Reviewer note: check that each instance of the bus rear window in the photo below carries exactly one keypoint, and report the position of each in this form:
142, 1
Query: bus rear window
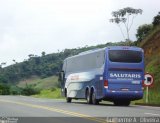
126, 56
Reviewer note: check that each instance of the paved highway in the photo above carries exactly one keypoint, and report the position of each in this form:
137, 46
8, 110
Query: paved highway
57, 110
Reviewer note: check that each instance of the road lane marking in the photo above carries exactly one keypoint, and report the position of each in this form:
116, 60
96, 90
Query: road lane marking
152, 114
53, 109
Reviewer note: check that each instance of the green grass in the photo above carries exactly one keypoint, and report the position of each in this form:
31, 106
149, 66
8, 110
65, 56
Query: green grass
153, 97
38, 83
153, 67
49, 87
54, 93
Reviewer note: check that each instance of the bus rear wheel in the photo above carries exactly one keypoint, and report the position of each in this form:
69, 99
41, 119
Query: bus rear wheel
88, 97
94, 100
68, 99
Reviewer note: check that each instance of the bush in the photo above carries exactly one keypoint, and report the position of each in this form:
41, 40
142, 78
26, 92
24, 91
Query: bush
30, 90
15, 90
4, 89
156, 20
143, 31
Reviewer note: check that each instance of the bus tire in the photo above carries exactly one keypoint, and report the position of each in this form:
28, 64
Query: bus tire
126, 103
116, 103
94, 100
88, 97
68, 99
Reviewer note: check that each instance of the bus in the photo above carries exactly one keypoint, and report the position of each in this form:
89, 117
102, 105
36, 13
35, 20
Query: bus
114, 73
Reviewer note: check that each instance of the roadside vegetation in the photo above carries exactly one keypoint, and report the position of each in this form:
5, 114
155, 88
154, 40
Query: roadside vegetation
50, 93
15, 90
151, 45
46, 87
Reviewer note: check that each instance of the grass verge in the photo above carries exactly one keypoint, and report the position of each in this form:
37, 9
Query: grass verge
54, 93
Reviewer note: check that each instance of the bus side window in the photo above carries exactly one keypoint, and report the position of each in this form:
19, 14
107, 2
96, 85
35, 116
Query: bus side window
100, 59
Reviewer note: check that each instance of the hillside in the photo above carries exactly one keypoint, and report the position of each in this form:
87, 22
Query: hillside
42, 66
151, 46
48, 87
38, 83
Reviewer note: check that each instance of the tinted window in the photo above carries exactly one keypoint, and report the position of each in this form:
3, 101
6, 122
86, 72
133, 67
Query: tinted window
127, 56
85, 62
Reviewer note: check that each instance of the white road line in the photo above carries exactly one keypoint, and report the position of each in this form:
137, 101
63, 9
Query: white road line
152, 114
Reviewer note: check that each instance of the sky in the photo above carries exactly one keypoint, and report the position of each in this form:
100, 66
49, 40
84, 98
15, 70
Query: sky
33, 26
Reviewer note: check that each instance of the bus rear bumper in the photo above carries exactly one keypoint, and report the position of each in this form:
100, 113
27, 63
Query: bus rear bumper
124, 95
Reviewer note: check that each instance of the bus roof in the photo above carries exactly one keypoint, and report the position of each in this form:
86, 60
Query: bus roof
124, 48
87, 52
109, 47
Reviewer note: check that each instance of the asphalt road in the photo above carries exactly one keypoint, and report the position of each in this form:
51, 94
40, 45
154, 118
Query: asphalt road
32, 110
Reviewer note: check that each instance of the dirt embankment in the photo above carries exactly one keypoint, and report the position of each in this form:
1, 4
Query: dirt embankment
152, 46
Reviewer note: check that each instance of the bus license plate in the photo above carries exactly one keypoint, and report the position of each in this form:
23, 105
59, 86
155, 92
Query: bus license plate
124, 89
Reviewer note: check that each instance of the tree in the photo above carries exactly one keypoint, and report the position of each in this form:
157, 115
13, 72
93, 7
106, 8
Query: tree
3, 64
14, 61
156, 20
30, 56
30, 90
126, 17
43, 54
4, 89
143, 31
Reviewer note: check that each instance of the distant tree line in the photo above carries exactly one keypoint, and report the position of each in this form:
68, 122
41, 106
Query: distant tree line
42, 66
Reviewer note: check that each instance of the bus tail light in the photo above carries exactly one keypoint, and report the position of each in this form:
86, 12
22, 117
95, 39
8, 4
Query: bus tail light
106, 83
